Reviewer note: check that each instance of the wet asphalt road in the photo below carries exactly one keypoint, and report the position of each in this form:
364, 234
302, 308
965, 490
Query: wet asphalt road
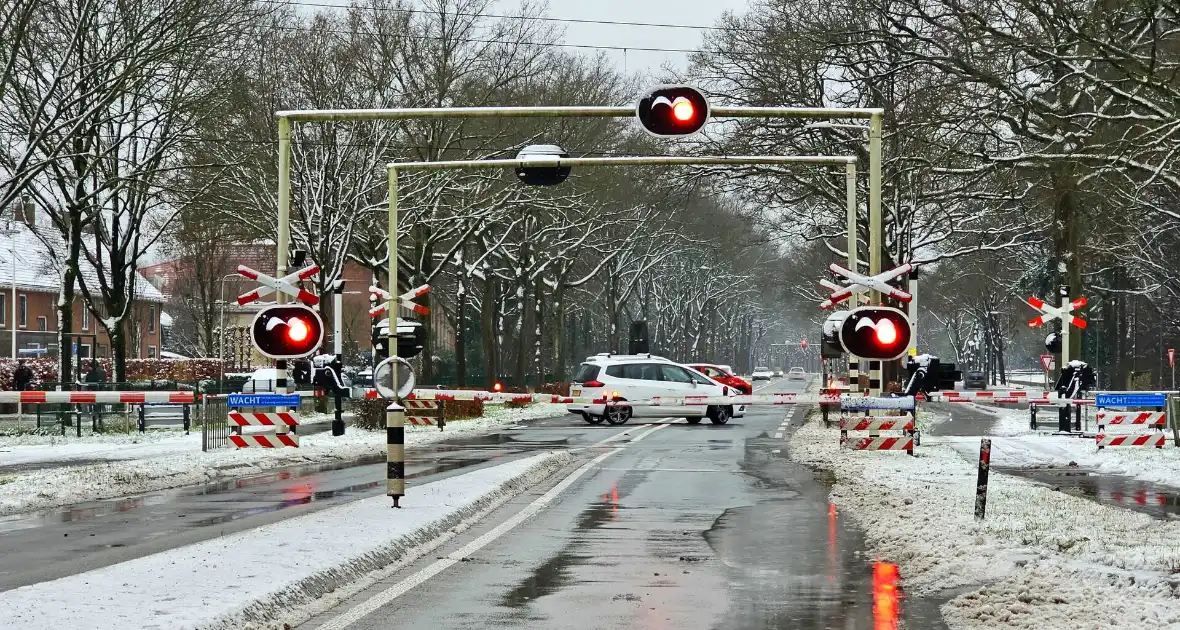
687, 527
965, 419
54, 543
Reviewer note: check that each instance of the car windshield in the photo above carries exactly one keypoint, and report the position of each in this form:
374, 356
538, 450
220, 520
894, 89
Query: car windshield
761, 369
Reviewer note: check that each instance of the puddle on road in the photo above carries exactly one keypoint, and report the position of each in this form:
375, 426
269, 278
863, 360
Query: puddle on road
1156, 500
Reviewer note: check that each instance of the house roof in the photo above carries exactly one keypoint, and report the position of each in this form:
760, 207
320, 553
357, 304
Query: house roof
37, 271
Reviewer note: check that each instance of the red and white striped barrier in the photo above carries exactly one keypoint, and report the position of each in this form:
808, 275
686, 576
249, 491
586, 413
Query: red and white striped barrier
1157, 440
877, 424
420, 404
787, 398
1013, 397
420, 420
264, 440
242, 419
179, 398
1153, 418
1140, 497
905, 443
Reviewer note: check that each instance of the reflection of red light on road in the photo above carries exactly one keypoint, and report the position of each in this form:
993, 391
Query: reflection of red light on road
831, 543
885, 604
614, 498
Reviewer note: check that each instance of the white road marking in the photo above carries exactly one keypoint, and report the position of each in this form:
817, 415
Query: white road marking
383, 598
778, 436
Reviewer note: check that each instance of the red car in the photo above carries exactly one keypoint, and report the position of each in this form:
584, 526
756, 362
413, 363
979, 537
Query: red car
723, 376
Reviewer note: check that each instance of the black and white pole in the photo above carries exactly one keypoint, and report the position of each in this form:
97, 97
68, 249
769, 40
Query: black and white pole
985, 457
395, 444
281, 389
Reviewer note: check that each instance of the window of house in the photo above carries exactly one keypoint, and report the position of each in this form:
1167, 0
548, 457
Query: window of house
151, 352
83, 351
85, 318
22, 311
3, 309
152, 319
42, 323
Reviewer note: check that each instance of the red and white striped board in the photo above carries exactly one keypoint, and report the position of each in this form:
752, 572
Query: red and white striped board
420, 404
862, 423
242, 419
1142, 417
1140, 497
785, 398
1157, 440
179, 398
882, 444
264, 440
420, 420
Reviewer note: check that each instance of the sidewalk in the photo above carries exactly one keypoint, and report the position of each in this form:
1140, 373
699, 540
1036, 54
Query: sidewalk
161, 459
265, 575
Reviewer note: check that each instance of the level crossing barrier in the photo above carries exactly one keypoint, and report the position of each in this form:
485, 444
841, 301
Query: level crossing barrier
904, 422
163, 411
426, 412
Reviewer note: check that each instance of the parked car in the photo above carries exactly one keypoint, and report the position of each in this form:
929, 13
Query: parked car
723, 375
640, 377
974, 380
762, 374
797, 374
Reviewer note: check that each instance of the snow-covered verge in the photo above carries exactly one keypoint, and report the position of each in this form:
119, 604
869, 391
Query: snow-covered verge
160, 461
1041, 559
261, 577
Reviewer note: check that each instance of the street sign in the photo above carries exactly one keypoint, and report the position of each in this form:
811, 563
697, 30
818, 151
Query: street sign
405, 299
1046, 362
1050, 313
263, 400
1171, 357
856, 283
864, 403
285, 285
1130, 400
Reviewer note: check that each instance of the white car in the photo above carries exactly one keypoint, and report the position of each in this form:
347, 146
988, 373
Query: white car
796, 374
761, 374
640, 377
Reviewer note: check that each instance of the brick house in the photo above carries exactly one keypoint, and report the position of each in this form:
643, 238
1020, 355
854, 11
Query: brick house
37, 278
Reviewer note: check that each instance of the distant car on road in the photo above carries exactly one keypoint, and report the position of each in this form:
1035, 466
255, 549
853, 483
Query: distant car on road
723, 375
778, 373
762, 374
974, 380
640, 377
797, 374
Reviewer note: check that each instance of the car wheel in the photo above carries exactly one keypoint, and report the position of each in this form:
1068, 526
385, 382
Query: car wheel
719, 414
693, 420
617, 414
592, 419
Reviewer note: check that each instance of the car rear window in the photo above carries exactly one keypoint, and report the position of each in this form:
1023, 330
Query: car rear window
586, 372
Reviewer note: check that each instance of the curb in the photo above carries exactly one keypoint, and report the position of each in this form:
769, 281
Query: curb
302, 600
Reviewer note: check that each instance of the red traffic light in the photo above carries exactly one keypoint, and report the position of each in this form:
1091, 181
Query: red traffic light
673, 110
287, 332
876, 332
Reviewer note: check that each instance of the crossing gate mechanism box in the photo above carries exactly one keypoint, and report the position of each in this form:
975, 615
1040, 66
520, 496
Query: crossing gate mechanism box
426, 412
904, 422
1156, 420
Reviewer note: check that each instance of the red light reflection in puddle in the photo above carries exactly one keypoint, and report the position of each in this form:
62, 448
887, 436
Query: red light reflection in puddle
886, 608
833, 546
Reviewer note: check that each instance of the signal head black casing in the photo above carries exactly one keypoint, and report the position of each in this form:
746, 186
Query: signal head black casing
876, 333
288, 331
672, 110
542, 175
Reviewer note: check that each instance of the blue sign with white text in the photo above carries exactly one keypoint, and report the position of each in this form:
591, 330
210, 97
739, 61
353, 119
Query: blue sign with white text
864, 403
263, 400
1130, 400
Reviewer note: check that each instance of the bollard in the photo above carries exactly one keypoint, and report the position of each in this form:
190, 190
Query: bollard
985, 456
395, 444
1032, 417
142, 419
186, 420
442, 414
338, 416
1077, 417
1063, 423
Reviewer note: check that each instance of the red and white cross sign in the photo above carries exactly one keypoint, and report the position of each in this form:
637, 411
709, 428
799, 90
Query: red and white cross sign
856, 283
404, 299
285, 285
1050, 313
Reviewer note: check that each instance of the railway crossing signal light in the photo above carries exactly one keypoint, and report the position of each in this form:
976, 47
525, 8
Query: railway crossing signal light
672, 110
289, 331
876, 333
542, 175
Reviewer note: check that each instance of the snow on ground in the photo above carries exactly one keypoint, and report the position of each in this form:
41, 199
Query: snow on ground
260, 575
1042, 560
157, 461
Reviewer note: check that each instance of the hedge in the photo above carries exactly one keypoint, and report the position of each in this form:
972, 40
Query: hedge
186, 370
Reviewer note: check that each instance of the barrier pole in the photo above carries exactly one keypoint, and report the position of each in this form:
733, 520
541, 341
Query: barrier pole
395, 445
985, 457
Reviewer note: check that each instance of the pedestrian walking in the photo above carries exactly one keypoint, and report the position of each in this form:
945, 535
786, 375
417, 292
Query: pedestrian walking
22, 378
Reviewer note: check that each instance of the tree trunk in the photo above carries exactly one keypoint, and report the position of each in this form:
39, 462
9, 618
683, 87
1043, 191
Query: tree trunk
1066, 243
488, 330
538, 338
461, 331
560, 347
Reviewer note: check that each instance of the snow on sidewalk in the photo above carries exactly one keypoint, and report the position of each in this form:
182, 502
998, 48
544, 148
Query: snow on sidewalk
263, 574
1042, 559
158, 461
